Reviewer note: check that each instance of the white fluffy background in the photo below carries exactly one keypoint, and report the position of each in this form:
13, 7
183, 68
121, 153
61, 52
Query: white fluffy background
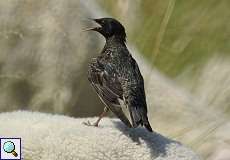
55, 137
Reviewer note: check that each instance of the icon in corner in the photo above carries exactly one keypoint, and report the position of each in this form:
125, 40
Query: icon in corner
10, 148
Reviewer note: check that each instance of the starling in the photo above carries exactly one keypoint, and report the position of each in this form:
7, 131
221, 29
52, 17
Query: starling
116, 77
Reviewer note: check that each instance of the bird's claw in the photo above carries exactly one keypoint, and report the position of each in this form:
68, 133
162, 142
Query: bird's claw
90, 124
87, 123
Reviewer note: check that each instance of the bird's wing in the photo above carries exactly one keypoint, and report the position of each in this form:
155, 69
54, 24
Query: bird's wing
105, 81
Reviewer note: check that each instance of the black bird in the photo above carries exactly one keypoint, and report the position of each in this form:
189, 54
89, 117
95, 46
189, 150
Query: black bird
116, 77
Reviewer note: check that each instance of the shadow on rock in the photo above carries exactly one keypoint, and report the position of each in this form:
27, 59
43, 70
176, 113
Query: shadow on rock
157, 143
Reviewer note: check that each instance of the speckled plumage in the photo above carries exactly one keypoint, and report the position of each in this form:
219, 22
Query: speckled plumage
116, 77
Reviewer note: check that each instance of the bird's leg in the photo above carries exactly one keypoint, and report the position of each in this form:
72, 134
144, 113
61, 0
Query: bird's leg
99, 118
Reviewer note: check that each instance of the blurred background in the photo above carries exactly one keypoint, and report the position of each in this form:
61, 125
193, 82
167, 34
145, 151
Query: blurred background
182, 48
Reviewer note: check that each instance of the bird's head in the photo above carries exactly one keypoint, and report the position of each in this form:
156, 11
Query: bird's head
109, 27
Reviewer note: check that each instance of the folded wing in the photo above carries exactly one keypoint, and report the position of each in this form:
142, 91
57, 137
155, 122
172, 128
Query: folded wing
106, 82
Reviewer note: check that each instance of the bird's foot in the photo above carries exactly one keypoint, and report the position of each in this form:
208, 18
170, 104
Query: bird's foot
90, 124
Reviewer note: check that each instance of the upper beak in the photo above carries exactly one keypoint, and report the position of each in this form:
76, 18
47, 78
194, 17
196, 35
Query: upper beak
93, 28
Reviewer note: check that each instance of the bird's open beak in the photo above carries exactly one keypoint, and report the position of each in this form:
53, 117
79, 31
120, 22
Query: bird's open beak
93, 28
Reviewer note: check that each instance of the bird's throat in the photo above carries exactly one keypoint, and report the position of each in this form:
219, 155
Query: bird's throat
115, 39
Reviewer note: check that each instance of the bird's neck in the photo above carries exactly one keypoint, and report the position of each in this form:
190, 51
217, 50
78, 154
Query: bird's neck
113, 40
113, 43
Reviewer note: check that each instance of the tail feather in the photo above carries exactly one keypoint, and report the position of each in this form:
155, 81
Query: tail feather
138, 118
118, 112
147, 126
135, 117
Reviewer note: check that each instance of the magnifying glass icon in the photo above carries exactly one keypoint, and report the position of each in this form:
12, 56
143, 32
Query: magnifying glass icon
9, 147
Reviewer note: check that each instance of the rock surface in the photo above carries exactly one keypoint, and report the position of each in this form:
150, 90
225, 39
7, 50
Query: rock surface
56, 137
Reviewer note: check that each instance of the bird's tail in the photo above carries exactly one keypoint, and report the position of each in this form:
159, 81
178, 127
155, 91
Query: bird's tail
140, 117
148, 126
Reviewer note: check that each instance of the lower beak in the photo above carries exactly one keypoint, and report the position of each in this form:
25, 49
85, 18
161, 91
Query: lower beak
89, 29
